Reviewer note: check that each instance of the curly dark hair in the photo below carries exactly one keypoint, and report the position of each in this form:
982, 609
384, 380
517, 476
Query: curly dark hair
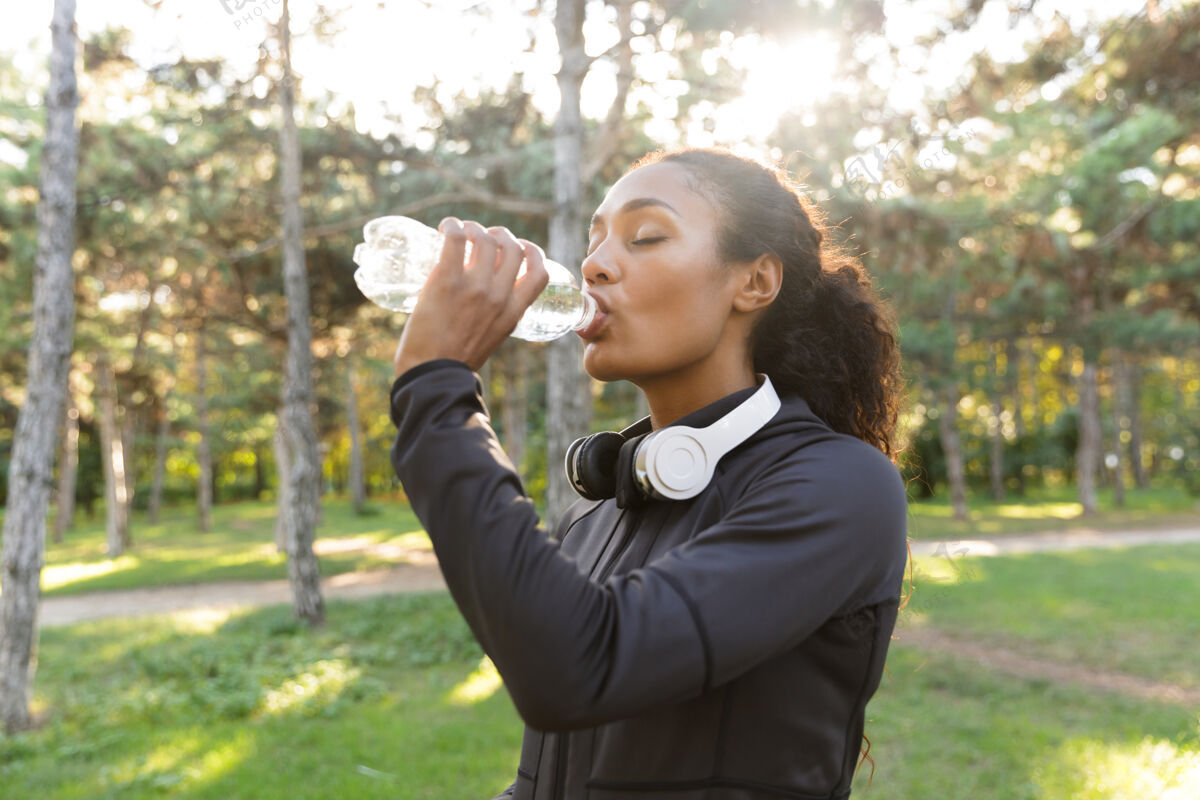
828, 336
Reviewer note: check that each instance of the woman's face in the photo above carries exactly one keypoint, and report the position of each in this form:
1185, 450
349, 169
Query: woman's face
653, 263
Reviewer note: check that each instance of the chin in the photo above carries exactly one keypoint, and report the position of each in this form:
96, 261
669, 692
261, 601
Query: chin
599, 367
600, 363
607, 363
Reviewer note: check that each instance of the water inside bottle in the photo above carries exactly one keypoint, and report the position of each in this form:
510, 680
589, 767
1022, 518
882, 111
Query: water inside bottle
555, 311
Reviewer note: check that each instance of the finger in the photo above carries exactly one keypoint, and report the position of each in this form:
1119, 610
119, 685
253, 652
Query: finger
535, 278
454, 247
508, 261
482, 262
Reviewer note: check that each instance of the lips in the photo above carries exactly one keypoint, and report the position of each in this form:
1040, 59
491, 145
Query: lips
592, 330
598, 320
601, 303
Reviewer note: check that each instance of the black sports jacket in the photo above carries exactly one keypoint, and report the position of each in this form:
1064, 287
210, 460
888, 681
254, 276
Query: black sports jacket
717, 648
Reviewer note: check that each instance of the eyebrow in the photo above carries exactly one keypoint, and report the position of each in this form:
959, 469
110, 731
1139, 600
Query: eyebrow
637, 203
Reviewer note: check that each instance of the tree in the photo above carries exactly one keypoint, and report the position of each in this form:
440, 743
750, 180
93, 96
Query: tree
305, 475
112, 455
68, 466
31, 474
358, 489
204, 485
568, 400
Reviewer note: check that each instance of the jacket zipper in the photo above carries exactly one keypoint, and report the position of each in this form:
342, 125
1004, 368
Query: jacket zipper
560, 770
622, 546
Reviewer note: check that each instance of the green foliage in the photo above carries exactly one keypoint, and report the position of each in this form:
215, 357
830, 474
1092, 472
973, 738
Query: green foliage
1059, 220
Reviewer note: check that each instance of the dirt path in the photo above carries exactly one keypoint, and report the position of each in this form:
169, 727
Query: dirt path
423, 574
231, 594
1078, 539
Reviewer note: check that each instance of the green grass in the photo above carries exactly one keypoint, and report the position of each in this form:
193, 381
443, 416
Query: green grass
945, 727
1053, 510
258, 706
1134, 610
389, 701
239, 546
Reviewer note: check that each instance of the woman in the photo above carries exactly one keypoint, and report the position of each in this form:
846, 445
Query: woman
719, 647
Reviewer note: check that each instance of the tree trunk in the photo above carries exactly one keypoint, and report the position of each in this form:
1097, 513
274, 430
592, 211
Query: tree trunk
1133, 408
1035, 403
260, 478
568, 393
31, 469
283, 471
516, 405
160, 461
952, 449
358, 490
997, 433
204, 486
1087, 455
112, 458
128, 435
1018, 393
1120, 424
304, 478
68, 467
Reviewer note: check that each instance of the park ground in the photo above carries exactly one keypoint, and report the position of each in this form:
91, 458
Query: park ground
1064, 673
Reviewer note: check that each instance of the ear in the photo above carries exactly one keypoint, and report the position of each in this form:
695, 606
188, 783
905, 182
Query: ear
758, 282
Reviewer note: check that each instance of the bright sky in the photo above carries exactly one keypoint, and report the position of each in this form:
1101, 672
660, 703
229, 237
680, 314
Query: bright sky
386, 49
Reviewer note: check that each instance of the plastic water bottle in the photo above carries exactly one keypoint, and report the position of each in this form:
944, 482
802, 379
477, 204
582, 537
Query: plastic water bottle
399, 253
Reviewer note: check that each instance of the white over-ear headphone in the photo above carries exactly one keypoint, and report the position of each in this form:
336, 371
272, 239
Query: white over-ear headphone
672, 463
677, 462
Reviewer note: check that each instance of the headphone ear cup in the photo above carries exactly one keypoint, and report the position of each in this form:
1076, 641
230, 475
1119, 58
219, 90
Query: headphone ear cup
628, 492
591, 464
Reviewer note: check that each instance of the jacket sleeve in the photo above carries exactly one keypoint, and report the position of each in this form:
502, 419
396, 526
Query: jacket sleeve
808, 540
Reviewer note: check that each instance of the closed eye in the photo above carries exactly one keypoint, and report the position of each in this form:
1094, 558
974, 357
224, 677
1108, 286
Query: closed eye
649, 240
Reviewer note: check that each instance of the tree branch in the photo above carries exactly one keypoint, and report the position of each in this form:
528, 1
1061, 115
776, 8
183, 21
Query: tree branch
518, 205
607, 140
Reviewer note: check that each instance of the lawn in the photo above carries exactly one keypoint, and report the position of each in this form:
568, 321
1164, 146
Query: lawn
1053, 509
387, 701
239, 546
1134, 610
393, 699
943, 727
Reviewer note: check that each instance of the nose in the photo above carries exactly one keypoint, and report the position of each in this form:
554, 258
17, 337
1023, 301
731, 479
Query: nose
598, 267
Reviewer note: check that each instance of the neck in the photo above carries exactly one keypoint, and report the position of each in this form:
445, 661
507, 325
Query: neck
677, 394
